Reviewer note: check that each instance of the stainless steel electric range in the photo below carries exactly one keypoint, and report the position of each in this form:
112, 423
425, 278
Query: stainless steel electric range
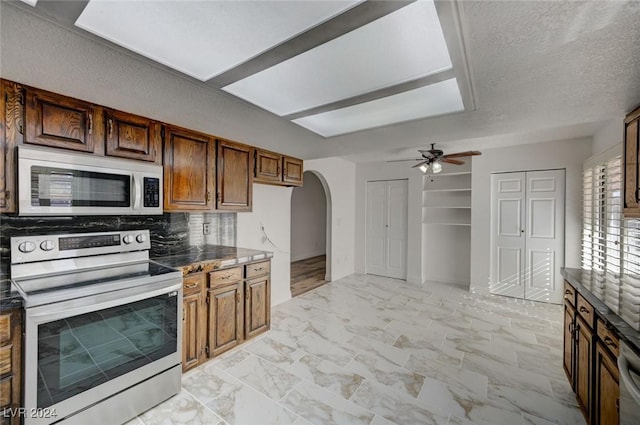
103, 326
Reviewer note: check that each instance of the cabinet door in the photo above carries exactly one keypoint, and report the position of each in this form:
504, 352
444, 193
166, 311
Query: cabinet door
267, 167
131, 136
63, 122
235, 176
569, 343
257, 306
11, 118
11, 362
191, 329
632, 164
292, 171
607, 390
188, 170
584, 338
225, 318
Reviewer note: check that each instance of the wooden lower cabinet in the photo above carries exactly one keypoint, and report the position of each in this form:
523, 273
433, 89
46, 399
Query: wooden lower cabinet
257, 317
584, 346
222, 309
10, 363
591, 347
226, 310
607, 389
569, 342
194, 321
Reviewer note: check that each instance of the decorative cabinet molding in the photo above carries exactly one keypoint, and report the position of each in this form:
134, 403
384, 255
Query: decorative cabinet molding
188, 170
631, 168
134, 137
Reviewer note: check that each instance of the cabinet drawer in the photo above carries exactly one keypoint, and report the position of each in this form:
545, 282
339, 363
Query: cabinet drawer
5, 328
192, 284
5, 391
258, 269
585, 310
609, 338
5, 359
225, 277
569, 293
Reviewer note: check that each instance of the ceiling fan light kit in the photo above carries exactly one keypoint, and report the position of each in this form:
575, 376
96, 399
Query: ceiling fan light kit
435, 158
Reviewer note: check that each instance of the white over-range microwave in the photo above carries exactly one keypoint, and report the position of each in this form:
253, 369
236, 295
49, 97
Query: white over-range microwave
57, 183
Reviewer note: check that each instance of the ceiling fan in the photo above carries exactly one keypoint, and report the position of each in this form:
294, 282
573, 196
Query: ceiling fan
435, 157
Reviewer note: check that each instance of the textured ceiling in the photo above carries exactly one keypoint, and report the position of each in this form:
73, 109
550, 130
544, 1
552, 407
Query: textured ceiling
540, 71
537, 68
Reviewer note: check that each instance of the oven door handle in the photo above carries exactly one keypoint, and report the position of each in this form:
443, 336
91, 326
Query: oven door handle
624, 366
50, 312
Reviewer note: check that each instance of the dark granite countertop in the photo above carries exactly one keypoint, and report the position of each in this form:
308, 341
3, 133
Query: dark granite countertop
8, 299
616, 300
211, 257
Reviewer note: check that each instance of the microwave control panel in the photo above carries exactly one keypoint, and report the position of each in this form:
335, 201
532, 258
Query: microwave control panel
151, 189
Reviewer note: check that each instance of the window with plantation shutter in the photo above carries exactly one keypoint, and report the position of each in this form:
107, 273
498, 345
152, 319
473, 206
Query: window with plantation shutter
610, 243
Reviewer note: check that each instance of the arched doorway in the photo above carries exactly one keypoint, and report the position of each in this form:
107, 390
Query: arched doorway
310, 234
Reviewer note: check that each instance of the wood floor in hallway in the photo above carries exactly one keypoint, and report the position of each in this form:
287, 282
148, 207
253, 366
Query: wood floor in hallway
308, 274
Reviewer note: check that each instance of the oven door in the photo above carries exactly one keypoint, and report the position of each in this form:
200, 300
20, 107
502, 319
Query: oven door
53, 183
82, 351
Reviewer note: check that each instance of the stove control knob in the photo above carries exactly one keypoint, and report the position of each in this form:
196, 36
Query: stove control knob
140, 238
127, 239
47, 245
26, 247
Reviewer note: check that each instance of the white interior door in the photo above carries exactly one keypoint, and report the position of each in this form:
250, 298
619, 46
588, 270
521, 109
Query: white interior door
387, 228
545, 236
527, 234
507, 234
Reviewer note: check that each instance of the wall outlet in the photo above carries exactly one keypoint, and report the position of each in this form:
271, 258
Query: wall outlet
206, 228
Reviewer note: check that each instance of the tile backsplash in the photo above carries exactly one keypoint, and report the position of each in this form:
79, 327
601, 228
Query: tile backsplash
171, 233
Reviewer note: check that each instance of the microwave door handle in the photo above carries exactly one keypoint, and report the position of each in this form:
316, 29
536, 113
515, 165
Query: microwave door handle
137, 195
624, 366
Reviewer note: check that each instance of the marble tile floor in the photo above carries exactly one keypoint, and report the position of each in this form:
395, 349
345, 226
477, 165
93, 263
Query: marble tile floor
377, 351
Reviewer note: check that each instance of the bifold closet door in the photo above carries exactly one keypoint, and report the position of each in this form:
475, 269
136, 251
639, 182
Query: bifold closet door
386, 227
527, 234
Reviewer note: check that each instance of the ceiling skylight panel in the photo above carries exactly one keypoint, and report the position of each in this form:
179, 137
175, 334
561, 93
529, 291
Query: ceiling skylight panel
436, 99
30, 2
204, 38
402, 46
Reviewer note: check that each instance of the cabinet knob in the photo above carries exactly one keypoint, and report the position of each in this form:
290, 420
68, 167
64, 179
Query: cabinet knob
208, 196
583, 309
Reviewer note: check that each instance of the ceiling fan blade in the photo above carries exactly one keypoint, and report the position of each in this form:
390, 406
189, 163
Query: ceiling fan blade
401, 160
461, 154
420, 163
452, 161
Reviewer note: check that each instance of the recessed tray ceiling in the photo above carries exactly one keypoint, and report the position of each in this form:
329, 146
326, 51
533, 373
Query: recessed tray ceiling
204, 38
402, 46
436, 99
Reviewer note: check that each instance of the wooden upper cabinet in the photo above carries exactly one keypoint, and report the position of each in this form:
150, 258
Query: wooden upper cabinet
292, 171
188, 170
268, 167
132, 136
11, 129
235, 176
63, 122
631, 169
